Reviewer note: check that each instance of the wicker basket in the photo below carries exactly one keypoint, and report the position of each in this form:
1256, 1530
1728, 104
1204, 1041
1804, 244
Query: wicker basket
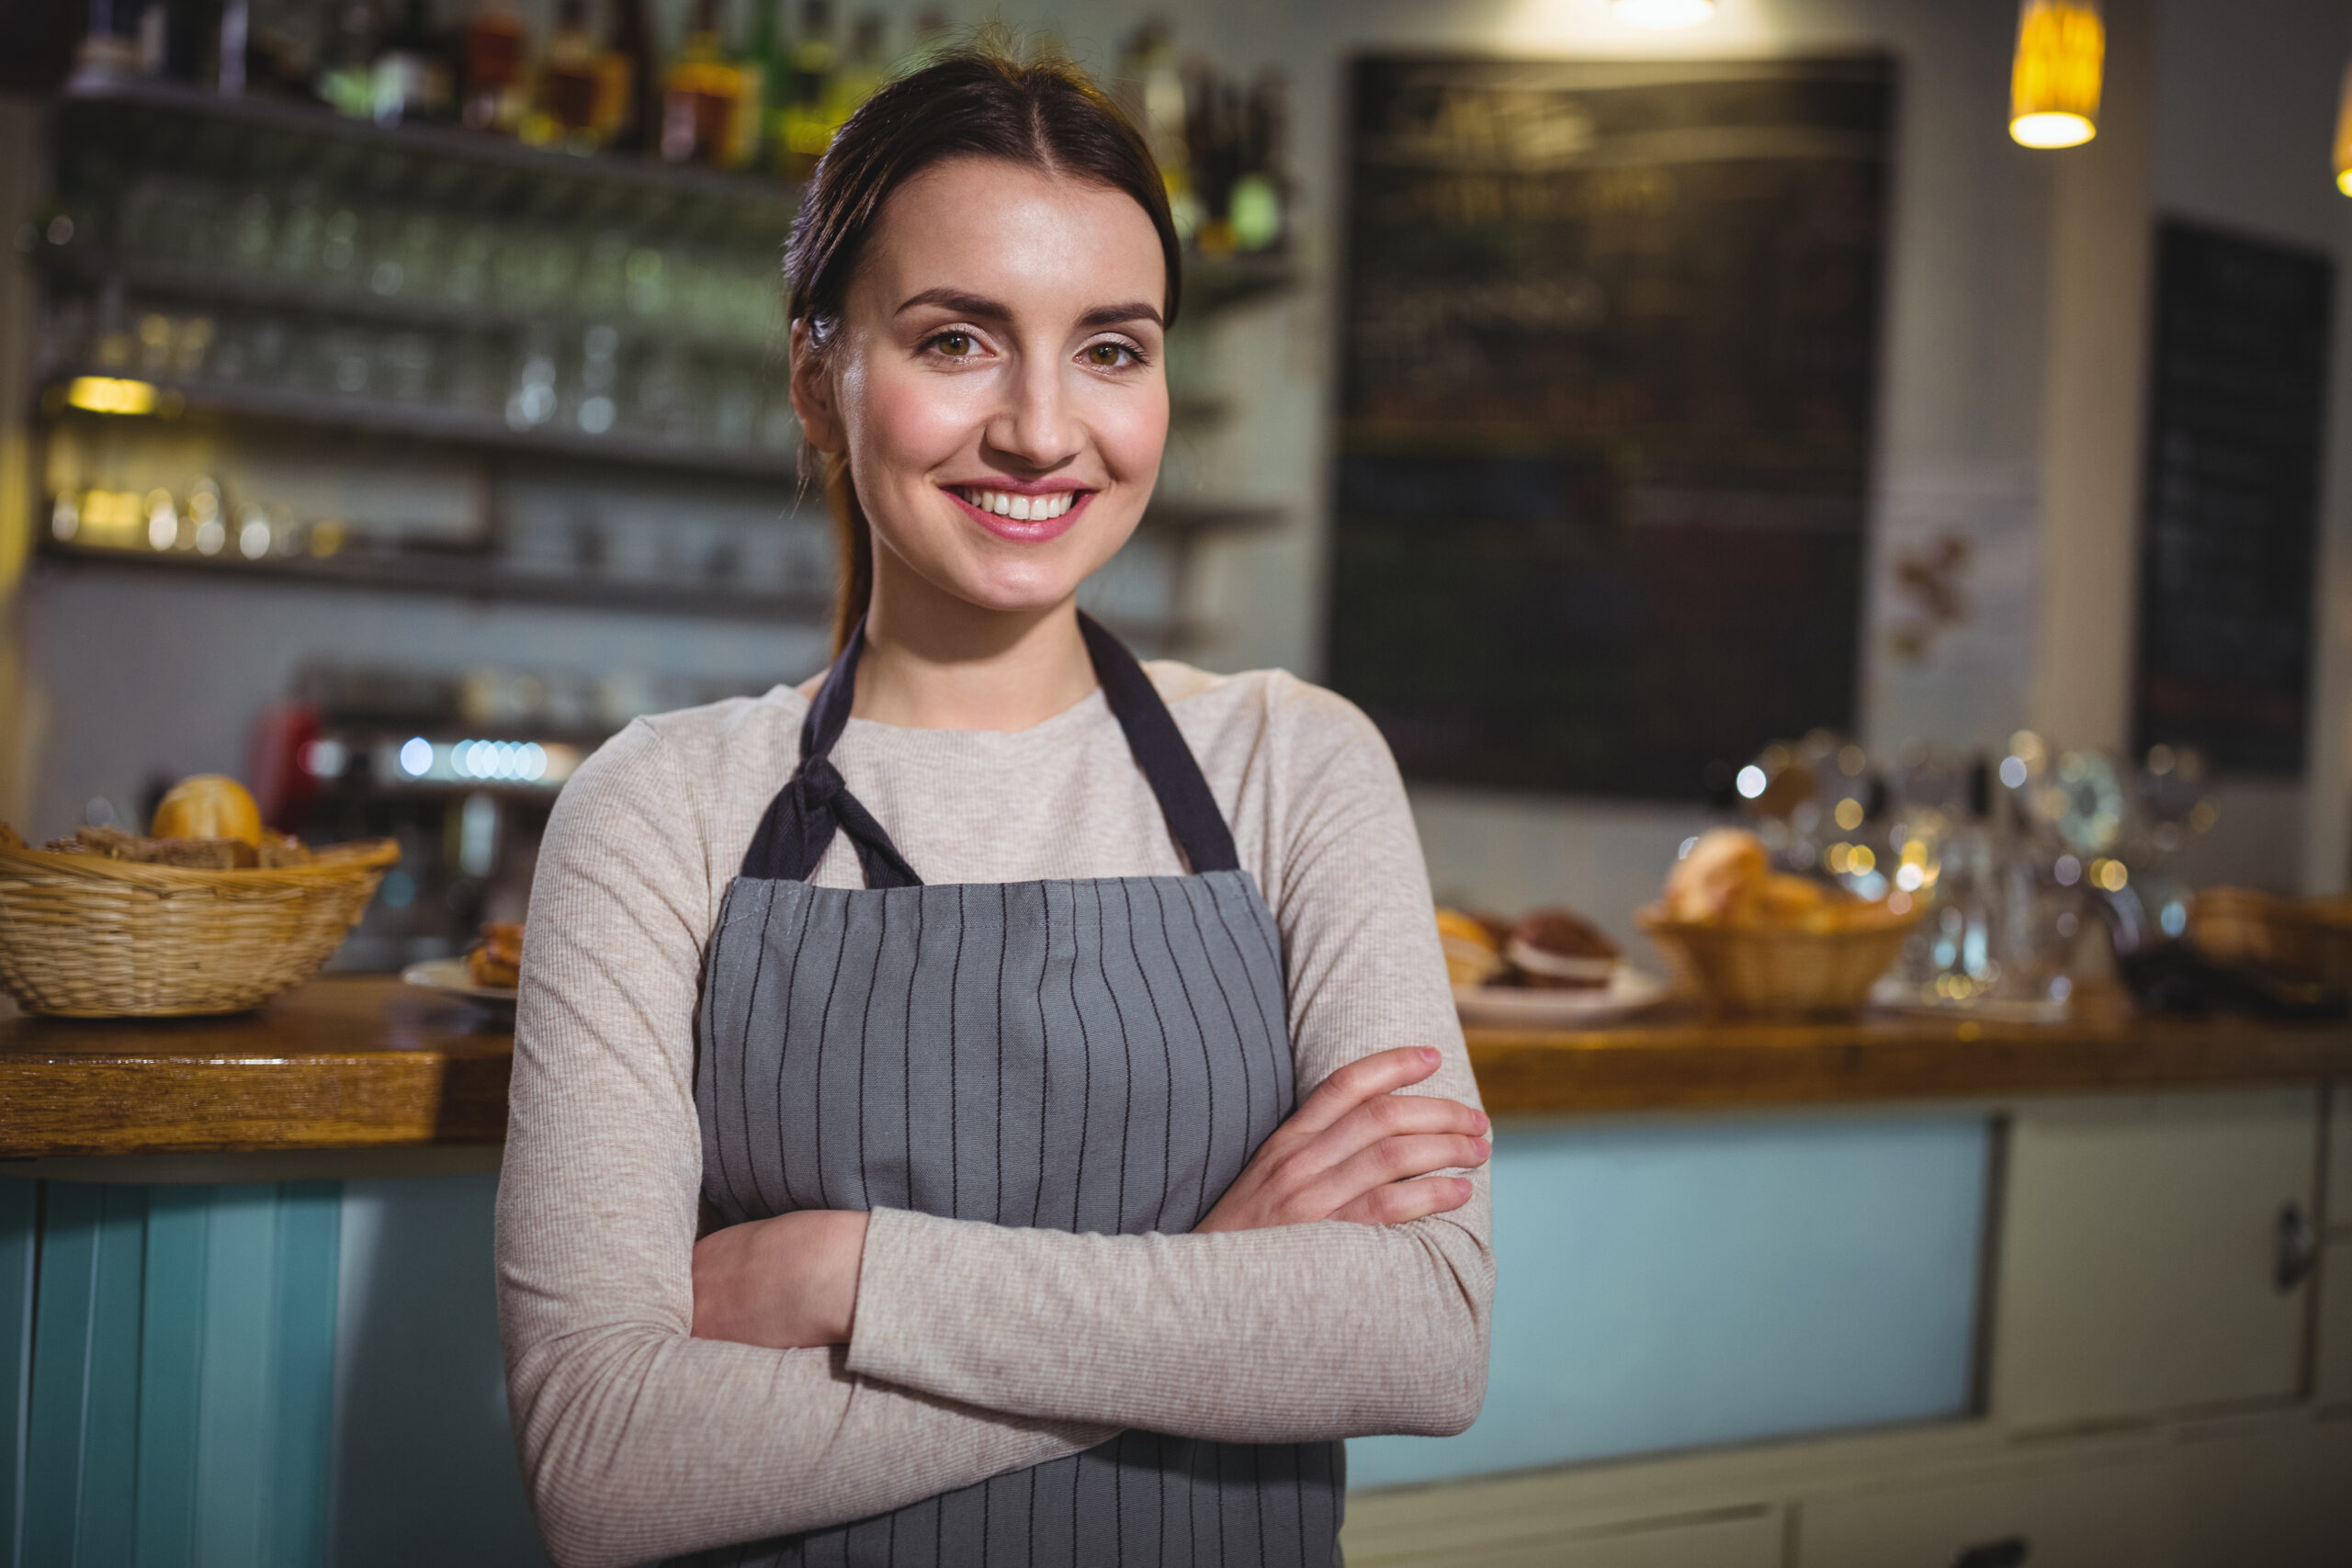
2310, 939
82, 936
1771, 972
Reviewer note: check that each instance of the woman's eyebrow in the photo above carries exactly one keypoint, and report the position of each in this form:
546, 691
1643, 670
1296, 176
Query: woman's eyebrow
1112, 315
961, 303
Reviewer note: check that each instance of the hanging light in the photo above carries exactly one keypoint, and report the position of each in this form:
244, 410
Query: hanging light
2053, 85
2344, 136
1661, 15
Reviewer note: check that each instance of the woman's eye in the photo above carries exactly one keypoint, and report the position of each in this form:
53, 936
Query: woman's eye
1110, 356
955, 345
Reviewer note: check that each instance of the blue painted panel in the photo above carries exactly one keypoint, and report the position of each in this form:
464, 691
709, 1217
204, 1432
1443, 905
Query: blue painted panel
19, 1230
171, 1363
61, 1354
110, 1436
310, 1232
1668, 1284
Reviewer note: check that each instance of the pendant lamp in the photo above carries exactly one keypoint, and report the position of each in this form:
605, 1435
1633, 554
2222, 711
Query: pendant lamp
2055, 83
2344, 136
1660, 14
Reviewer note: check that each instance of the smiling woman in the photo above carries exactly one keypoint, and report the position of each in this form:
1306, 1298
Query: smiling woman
1073, 1197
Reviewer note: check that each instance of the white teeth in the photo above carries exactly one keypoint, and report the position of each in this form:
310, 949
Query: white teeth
1021, 508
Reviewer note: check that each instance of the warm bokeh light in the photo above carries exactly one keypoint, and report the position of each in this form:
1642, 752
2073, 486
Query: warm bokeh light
2054, 81
2344, 135
1661, 14
110, 394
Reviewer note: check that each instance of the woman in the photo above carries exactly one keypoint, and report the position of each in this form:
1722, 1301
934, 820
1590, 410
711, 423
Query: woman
908, 1160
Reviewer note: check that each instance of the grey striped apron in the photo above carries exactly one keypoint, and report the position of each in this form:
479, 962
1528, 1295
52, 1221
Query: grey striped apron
1099, 1055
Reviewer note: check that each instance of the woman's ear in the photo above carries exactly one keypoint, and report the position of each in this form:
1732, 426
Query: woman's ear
812, 392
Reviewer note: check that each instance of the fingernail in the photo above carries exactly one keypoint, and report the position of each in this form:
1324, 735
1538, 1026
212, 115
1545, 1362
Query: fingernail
1462, 1186
1484, 1121
1429, 1054
1486, 1147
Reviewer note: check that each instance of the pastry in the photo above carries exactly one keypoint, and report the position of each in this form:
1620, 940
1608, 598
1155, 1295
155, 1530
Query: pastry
499, 959
208, 805
1559, 949
1472, 956
1718, 878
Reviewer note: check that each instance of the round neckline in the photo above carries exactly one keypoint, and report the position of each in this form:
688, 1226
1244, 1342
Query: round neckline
1094, 703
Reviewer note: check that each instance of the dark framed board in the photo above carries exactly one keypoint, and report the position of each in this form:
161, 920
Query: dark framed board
2230, 512
1610, 343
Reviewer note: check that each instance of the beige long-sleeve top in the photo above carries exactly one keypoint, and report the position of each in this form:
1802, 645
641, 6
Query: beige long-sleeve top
977, 1348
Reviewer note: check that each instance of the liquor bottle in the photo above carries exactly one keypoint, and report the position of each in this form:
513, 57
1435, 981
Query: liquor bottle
412, 69
628, 97
494, 57
1152, 90
1257, 209
564, 99
807, 133
346, 78
768, 69
700, 96
860, 73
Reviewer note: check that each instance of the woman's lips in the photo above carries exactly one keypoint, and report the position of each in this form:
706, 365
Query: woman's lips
1027, 517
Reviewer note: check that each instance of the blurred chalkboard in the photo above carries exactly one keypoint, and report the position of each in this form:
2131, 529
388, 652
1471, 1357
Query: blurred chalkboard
1610, 339
2227, 551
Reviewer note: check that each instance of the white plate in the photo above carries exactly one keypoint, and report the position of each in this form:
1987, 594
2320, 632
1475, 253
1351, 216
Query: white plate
1515, 1006
451, 977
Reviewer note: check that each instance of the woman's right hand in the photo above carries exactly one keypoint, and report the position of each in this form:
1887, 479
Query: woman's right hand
1357, 1150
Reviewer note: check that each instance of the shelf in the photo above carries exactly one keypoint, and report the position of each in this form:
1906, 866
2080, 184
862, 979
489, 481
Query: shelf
146, 278
165, 125
468, 577
480, 577
454, 426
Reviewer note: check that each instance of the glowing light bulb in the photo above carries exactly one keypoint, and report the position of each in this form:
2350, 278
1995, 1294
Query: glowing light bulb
2054, 79
416, 757
1662, 14
1750, 782
2344, 135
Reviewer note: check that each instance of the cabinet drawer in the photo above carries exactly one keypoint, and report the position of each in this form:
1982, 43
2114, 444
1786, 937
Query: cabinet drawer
2100, 1517
2137, 1254
1750, 1540
2334, 1378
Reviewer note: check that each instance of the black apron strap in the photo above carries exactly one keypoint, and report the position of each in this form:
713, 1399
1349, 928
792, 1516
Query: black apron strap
800, 821
815, 803
1168, 764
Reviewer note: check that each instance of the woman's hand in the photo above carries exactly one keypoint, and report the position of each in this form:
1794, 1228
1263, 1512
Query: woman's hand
787, 1283
1357, 1150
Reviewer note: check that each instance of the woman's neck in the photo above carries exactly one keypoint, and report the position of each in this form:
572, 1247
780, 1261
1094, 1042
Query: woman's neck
935, 661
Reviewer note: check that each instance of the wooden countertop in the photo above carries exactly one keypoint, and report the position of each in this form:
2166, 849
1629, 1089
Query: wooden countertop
367, 1063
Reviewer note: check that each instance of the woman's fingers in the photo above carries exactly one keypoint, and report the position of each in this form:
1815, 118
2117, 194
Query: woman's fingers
1387, 1117
1402, 1201
1389, 1161
1382, 1071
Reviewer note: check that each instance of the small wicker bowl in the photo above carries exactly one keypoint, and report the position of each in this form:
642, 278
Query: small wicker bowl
82, 936
1769, 973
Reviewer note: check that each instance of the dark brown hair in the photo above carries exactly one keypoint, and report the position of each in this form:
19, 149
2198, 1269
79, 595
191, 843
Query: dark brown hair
1042, 114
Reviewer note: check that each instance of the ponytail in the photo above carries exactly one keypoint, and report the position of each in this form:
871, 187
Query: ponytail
852, 548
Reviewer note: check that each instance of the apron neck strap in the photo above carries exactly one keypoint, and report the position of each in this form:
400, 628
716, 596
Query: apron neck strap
801, 820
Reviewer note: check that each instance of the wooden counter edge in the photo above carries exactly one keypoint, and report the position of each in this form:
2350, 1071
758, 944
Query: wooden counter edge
1683, 1069
185, 1103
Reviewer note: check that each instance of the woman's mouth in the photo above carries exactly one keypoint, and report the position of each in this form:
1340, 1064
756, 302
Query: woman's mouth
1029, 517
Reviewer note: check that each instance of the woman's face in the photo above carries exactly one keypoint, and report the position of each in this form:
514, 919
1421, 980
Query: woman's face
997, 380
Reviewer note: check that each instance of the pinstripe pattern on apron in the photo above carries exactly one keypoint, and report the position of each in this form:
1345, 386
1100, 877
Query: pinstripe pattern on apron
1099, 1055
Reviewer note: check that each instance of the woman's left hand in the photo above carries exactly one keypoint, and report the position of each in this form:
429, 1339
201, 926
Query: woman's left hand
787, 1283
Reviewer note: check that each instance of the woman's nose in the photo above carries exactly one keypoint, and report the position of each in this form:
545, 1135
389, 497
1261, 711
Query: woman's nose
1033, 427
